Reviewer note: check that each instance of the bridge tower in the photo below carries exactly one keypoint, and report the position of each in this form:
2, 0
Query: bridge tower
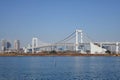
77, 39
117, 47
34, 44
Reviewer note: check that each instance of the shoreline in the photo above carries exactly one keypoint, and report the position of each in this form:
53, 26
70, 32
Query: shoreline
55, 54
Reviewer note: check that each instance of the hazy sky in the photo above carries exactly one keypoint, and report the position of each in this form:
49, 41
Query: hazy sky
53, 20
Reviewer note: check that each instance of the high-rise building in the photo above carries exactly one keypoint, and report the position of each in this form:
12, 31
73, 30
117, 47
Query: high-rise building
5, 45
17, 45
8, 45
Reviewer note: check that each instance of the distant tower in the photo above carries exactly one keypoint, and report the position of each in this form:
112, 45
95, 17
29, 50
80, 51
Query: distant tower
3, 46
34, 43
8, 45
17, 45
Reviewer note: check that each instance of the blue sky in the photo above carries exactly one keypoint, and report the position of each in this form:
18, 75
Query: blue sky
53, 20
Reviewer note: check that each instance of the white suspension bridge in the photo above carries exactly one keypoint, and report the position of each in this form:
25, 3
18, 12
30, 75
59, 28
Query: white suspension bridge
77, 41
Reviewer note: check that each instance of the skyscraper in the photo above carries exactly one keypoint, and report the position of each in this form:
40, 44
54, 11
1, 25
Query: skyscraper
17, 45
8, 45
3, 46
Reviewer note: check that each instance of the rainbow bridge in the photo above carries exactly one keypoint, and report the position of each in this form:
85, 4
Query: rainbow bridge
77, 41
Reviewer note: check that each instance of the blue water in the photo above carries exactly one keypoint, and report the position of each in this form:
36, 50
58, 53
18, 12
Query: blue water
59, 68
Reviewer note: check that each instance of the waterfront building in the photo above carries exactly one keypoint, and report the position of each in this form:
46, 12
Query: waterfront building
3, 45
6, 45
17, 45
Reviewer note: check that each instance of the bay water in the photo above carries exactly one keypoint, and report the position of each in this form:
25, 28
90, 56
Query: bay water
60, 68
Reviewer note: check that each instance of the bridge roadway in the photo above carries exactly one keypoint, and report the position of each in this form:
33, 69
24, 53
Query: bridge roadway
112, 46
109, 43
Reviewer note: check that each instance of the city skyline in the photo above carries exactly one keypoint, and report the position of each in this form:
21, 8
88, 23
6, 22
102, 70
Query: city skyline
6, 45
51, 21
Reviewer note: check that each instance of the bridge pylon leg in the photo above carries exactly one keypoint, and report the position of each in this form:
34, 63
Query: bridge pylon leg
117, 48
